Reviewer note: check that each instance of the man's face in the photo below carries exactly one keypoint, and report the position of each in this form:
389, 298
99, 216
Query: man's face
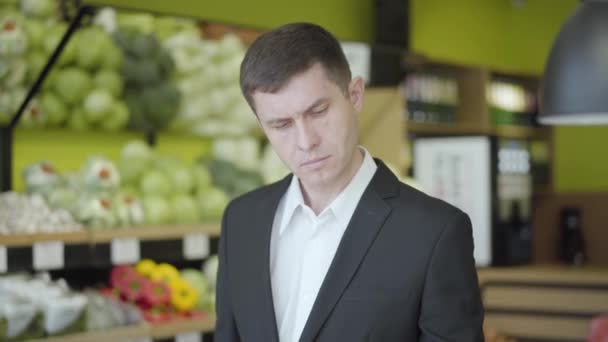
312, 126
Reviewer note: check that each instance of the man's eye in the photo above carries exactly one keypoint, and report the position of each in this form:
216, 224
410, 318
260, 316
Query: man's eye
281, 125
320, 111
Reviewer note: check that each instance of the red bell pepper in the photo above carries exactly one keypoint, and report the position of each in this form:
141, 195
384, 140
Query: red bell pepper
132, 287
119, 274
155, 293
157, 315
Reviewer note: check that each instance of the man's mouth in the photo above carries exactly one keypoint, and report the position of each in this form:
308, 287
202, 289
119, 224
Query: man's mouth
314, 162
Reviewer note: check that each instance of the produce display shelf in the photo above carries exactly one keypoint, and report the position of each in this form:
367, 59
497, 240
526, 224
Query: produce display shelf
141, 332
167, 330
127, 333
102, 236
16, 240
103, 248
154, 232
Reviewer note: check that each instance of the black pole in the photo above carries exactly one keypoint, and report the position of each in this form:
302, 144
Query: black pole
151, 138
6, 158
85, 10
6, 132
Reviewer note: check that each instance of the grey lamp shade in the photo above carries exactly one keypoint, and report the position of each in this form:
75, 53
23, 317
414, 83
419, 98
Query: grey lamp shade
575, 83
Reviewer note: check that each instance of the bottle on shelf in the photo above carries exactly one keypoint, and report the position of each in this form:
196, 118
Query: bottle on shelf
572, 243
431, 98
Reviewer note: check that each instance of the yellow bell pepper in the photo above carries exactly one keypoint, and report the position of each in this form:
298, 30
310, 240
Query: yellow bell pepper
184, 297
165, 273
145, 267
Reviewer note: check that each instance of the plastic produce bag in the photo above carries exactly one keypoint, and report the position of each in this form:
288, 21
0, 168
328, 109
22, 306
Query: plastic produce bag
61, 313
19, 315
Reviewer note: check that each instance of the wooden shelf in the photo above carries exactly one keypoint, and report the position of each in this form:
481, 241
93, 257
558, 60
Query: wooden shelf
18, 240
94, 248
545, 274
552, 302
167, 330
107, 235
519, 132
542, 190
126, 333
154, 233
444, 129
513, 132
140, 331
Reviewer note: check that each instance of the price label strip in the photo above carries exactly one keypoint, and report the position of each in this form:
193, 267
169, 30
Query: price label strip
48, 255
125, 251
143, 339
188, 337
196, 246
3, 260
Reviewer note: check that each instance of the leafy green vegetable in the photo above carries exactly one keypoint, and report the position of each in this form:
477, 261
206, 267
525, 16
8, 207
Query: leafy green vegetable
72, 85
52, 37
35, 61
78, 121
36, 32
109, 80
55, 110
117, 119
157, 210
98, 105
113, 58
39, 8
212, 203
155, 182
90, 55
185, 209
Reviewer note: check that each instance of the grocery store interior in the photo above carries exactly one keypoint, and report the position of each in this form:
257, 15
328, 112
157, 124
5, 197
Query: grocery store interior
124, 135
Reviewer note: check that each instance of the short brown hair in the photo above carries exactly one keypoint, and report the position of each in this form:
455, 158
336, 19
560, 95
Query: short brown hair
278, 55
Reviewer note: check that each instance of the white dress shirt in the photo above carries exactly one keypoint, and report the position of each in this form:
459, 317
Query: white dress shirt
303, 245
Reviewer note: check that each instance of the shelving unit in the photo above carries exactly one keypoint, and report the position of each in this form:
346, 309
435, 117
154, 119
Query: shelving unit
168, 330
549, 303
503, 131
444, 129
142, 332
472, 112
126, 333
93, 248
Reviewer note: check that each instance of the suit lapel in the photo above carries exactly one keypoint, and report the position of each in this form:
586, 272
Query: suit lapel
362, 229
255, 287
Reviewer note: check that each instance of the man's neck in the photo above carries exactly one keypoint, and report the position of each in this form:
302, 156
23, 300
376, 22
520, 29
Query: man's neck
320, 197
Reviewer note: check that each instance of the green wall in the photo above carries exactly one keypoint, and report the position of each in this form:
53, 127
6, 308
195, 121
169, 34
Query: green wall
348, 19
496, 33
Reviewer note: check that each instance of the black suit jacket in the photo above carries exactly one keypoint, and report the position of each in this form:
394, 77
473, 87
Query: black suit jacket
403, 271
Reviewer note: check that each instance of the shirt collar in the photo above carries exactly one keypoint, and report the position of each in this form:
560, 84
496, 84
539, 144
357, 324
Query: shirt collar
343, 205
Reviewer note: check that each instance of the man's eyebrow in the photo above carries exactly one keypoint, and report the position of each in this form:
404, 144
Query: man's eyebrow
316, 104
307, 110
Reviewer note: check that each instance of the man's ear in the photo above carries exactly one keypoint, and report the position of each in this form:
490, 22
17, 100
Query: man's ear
356, 90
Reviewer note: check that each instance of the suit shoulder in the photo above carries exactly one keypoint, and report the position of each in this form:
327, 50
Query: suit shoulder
425, 204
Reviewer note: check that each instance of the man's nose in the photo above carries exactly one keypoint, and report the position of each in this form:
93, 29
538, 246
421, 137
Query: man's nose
308, 137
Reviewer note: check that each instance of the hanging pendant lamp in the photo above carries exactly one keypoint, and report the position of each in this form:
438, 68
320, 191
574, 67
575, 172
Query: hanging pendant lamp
575, 83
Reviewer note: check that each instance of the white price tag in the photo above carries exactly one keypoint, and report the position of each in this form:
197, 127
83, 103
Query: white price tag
196, 246
124, 251
48, 255
142, 339
3, 260
189, 337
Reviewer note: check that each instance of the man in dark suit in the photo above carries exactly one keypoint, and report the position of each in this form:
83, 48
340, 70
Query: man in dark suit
339, 250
